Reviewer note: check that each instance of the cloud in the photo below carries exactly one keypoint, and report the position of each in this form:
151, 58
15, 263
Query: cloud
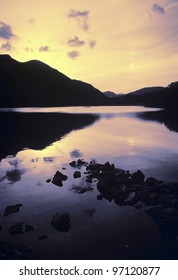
81, 17
6, 31
6, 47
156, 8
75, 42
75, 13
28, 49
44, 49
73, 54
92, 43
31, 20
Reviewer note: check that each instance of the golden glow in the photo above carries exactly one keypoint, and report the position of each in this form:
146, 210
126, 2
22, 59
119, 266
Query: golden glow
117, 45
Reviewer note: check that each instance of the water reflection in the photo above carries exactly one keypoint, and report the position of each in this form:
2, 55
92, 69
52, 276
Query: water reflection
99, 229
166, 117
37, 130
75, 154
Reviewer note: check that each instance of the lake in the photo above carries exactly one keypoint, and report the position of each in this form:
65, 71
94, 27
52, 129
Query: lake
36, 142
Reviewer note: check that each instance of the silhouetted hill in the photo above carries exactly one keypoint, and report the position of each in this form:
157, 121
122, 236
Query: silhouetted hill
34, 83
161, 97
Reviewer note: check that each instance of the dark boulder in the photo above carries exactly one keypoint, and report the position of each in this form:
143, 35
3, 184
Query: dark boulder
20, 228
119, 197
138, 177
77, 174
61, 222
151, 181
155, 212
73, 163
80, 162
99, 197
59, 178
42, 237
131, 199
12, 209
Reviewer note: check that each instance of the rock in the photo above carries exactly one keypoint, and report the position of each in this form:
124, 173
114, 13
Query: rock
59, 178
48, 180
121, 177
89, 179
94, 169
168, 188
57, 182
17, 228
106, 180
29, 228
131, 199
151, 181
77, 174
73, 163
155, 212
143, 196
12, 252
25, 248
154, 199
170, 212
138, 177
81, 189
20, 228
138, 205
119, 197
61, 222
12, 209
42, 237
99, 197
80, 162
107, 167
168, 200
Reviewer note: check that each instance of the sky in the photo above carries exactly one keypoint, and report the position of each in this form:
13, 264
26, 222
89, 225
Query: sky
116, 45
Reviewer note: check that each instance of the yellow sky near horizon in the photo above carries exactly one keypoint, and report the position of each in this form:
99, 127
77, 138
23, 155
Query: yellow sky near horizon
114, 45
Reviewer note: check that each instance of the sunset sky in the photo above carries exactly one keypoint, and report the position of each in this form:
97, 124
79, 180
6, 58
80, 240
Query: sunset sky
116, 45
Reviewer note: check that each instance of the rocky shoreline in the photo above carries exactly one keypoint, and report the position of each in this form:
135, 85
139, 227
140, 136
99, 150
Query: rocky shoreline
156, 198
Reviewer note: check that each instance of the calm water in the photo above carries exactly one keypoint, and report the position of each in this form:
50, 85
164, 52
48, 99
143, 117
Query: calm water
99, 229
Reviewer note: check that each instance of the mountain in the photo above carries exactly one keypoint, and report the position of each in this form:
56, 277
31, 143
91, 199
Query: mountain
161, 97
111, 94
145, 90
33, 84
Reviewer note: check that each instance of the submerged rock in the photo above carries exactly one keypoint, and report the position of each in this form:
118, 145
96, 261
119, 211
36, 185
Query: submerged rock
17, 228
151, 181
42, 237
10, 251
61, 222
12, 209
77, 174
20, 228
